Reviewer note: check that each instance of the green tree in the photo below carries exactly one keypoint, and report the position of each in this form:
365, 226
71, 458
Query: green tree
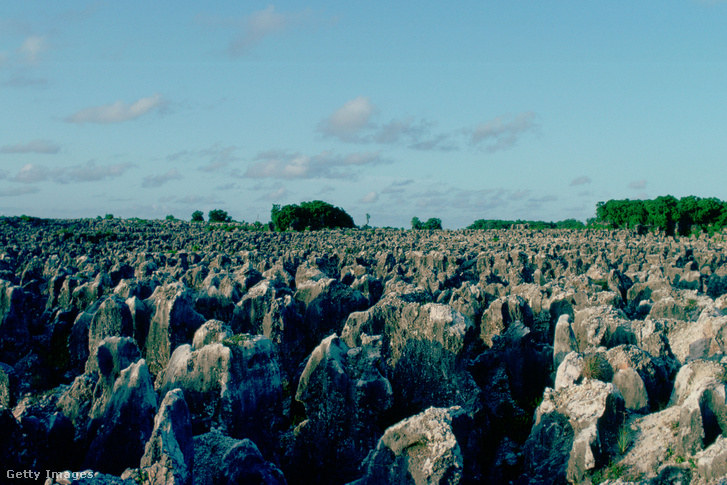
432, 223
663, 212
218, 215
313, 215
197, 216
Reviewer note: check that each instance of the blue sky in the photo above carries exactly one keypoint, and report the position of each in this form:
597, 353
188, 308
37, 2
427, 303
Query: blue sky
461, 111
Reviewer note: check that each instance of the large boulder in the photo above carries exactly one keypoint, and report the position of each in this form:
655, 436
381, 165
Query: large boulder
221, 460
169, 454
575, 431
234, 386
327, 303
424, 352
173, 322
602, 326
14, 321
345, 397
127, 422
420, 449
699, 391
503, 312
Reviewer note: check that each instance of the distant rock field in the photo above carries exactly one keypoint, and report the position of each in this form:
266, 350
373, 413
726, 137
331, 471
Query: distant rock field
169, 352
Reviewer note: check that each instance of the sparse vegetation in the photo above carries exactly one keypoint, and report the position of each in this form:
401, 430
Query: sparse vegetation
534, 225
595, 366
624, 439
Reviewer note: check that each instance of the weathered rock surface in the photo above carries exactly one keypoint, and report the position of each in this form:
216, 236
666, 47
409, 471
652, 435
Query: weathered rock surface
515, 356
420, 449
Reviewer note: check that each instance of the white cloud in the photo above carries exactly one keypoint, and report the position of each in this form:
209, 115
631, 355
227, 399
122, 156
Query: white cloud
637, 184
31, 173
284, 165
370, 198
32, 48
582, 180
260, 25
502, 132
159, 180
119, 111
33, 146
348, 121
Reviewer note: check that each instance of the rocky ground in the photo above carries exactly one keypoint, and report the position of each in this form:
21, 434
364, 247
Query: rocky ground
172, 352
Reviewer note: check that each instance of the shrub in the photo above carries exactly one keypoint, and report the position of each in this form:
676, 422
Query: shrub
432, 223
218, 215
312, 215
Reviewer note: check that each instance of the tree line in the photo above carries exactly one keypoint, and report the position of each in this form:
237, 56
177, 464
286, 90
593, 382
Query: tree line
669, 214
666, 213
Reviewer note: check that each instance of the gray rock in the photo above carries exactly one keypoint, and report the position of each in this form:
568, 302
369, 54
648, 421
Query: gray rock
564, 341
235, 386
632, 388
221, 460
602, 326
327, 303
173, 322
419, 449
501, 313
569, 371
345, 397
423, 352
712, 462
210, 332
169, 454
127, 422
14, 316
574, 430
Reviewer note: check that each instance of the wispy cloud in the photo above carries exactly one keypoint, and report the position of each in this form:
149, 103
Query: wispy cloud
502, 132
16, 191
88, 172
354, 122
582, 180
21, 80
637, 184
276, 194
253, 29
212, 159
327, 165
45, 147
119, 111
32, 48
161, 179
